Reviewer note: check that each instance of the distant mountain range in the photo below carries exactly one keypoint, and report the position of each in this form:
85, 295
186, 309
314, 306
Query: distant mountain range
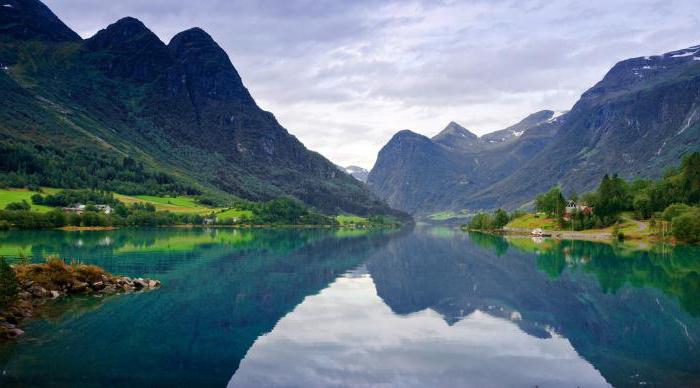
356, 172
123, 109
638, 121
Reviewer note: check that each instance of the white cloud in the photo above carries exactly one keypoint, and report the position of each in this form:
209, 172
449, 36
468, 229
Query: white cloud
344, 76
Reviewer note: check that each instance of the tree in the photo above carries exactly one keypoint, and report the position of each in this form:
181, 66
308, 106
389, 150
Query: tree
551, 202
500, 219
612, 198
18, 206
481, 221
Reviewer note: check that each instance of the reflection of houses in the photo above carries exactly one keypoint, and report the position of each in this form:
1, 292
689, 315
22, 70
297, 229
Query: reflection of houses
210, 221
80, 209
573, 208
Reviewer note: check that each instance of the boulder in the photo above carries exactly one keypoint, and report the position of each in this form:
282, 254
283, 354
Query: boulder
14, 333
79, 286
98, 286
140, 283
38, 291
55, 294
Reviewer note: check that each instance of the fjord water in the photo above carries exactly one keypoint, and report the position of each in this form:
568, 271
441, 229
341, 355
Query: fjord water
318, 307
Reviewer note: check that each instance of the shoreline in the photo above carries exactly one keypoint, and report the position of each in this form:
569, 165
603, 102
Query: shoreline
594, 236
39, 283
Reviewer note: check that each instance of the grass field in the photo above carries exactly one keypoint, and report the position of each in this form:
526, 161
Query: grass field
234, 213
8, 196
448, 215
180, 204
347, 219
532, 221
630, 228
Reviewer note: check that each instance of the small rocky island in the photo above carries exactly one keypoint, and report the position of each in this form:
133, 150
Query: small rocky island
26, 287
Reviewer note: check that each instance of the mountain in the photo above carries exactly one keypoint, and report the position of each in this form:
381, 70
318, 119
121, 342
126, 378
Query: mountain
421, 175
356, 172
124, 111
456, 136
639, 120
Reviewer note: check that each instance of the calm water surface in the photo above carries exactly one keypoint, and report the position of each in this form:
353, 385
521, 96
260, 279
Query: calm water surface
425, 307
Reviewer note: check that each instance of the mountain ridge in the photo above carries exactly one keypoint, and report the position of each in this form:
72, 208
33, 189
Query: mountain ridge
639, 120
180, 110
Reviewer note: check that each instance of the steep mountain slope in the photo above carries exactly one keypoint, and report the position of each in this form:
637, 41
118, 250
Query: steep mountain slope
421, 175
638, 121
122, 110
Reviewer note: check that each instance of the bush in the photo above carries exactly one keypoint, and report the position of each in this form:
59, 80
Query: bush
18, 206
8, 283
686, 227
675, 210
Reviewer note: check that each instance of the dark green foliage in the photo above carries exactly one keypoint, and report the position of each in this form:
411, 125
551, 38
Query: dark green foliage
500, 218
686, 227
67, 198
674, 210
22, 166
481, 221
551, 202
485, 221
18, 206
612, 196
286, 211
8, 283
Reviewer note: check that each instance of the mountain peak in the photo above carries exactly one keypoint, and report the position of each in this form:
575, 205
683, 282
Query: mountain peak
194, 34
638, 73
121, 32
455, 129
356, 172
135, 52
31, 19
209, 70
455, 136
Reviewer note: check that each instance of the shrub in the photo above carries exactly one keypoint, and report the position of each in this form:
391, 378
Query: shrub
18, 206
8, 283
686, 227
674, 210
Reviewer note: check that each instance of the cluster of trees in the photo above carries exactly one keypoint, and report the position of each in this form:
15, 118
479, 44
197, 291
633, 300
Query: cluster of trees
24, 165
286, 211
674, 198
132, 215
495, 221
71, 197
283, 211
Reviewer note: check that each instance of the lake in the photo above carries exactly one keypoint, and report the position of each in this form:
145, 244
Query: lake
321, 307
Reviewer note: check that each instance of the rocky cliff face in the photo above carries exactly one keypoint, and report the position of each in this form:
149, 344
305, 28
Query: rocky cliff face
639, 120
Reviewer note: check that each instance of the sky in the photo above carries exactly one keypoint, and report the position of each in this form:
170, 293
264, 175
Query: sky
344, 76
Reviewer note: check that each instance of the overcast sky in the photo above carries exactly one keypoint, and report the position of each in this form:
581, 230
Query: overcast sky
344, 76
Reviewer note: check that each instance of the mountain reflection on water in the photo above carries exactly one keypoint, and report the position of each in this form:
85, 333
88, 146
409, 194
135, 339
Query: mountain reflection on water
332, 307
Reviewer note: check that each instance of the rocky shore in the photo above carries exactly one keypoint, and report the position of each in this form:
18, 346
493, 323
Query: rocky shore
39, 283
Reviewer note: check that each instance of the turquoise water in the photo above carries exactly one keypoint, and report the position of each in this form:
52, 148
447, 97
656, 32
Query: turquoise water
423, 307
